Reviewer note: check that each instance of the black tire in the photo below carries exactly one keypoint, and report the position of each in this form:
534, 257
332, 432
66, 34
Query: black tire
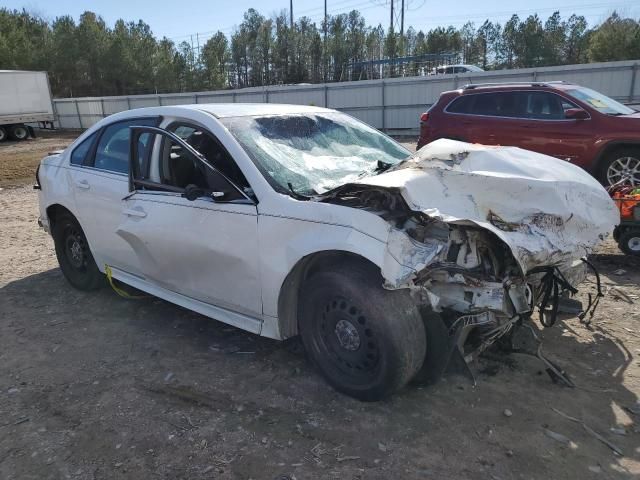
74, 256
617, 161
629, 242
437, 355
3, 134
19, 132
366, 341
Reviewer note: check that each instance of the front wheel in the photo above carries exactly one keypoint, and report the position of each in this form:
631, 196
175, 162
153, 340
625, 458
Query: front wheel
3, 134
621, 166
74, 256
366, 341
629, 242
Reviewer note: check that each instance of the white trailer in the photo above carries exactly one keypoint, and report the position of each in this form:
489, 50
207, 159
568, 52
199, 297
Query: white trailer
25, 97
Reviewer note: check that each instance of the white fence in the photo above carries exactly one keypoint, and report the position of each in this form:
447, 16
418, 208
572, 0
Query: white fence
393, 105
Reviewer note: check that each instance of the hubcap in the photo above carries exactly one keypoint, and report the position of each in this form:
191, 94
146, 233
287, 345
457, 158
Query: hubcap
624, 171
634, 244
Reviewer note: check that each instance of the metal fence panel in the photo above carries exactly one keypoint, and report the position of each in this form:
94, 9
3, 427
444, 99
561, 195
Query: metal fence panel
391, 104
114, 105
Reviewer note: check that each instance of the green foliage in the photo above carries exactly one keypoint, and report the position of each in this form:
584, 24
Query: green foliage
89, 57
617, 39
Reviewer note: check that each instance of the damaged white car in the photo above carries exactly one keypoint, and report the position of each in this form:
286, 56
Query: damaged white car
290, 220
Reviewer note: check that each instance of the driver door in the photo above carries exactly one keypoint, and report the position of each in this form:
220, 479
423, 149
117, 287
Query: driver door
192, 230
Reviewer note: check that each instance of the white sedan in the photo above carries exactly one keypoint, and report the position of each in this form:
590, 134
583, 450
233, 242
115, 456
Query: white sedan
289, 220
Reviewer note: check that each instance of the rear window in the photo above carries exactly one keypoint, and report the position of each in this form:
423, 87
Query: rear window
463, 104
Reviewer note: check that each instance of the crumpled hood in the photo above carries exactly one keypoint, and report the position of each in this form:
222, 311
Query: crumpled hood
548, 211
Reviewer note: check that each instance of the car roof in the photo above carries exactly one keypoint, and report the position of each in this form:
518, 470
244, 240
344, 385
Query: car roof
223, 110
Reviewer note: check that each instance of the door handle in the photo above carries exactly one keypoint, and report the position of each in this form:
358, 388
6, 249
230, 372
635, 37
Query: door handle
133, 212
83, 184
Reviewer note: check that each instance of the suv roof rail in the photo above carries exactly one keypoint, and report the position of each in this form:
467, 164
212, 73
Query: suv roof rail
471, 86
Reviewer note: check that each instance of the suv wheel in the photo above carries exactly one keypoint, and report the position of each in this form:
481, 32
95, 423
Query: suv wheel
3, 134
366, 341
74, 256
621, 166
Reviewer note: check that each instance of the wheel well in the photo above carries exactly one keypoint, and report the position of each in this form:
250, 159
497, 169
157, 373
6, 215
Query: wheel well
53, 212
608, 149
305, 268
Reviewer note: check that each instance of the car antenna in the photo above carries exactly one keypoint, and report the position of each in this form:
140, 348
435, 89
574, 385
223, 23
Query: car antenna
296, 195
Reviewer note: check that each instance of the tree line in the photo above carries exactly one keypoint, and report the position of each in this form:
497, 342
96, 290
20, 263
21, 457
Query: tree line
89, 57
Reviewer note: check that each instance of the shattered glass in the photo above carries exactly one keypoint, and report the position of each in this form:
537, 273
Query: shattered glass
314, 153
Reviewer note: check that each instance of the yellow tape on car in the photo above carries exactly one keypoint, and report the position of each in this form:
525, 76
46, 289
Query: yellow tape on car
118, 290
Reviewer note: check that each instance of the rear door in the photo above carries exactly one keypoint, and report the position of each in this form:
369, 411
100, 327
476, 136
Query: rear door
99, 174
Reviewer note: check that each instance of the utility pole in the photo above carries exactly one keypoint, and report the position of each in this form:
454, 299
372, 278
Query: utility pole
324, 28
291, 12
391, 18
402, 20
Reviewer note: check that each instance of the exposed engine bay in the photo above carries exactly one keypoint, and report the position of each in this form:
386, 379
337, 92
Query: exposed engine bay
482, 238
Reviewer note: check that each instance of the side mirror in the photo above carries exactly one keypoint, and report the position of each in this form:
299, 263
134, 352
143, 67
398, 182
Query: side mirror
193, 192
575, 114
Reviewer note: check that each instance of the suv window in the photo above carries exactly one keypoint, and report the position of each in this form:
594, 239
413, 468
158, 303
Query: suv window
544, 106
112, 152
463, 104
80, 153
500, 104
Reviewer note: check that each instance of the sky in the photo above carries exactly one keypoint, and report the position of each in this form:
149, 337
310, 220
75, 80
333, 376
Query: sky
199, 19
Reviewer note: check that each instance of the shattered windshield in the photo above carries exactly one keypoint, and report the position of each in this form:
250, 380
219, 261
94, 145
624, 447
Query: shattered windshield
313, 153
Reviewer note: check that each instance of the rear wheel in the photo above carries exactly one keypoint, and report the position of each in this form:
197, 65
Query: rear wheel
629, 241
3, 134
622, 166
19, 132
367, 342
74, 256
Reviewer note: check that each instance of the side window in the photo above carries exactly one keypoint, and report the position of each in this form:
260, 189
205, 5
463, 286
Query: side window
486, 104
544, 106
463, 104
112, 152
212, 151
179, 168
80, 153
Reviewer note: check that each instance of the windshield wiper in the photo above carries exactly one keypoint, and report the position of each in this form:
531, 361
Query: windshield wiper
296, 195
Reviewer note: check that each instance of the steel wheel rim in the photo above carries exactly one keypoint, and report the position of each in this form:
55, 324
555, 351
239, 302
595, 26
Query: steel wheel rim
634, 244
624, 170
344, 337
75, 249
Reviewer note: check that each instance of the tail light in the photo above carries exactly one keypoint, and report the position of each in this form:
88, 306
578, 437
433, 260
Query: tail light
424, 117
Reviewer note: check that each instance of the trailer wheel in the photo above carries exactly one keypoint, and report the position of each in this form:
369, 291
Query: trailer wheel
3, 134
19, 132
629, 241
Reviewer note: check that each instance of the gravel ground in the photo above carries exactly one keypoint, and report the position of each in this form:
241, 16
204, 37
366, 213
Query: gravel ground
93, 386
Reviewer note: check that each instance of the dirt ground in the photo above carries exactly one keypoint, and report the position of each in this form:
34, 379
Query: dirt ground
93, 386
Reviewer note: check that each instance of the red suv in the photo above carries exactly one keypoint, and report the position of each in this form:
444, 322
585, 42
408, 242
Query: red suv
563, 120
